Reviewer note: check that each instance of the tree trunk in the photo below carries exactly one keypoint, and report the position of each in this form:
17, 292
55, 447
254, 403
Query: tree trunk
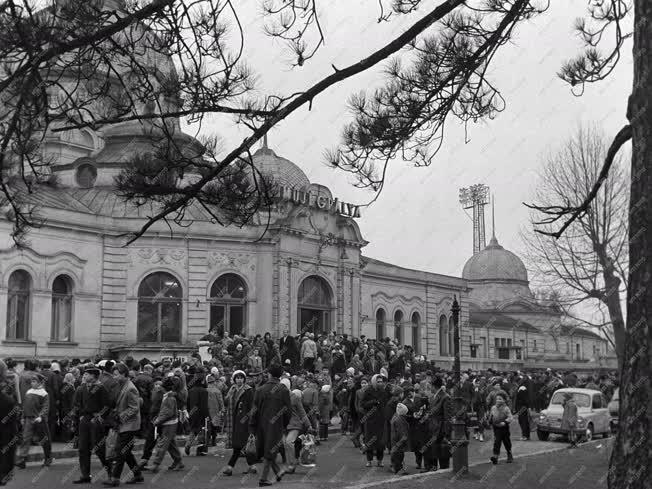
611, 299
632, 453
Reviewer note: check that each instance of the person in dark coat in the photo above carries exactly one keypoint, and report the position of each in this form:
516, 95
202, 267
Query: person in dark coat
271, 414
239, 402
374, 400
9, 422
522, 408
197, 407
289, 350
437, 421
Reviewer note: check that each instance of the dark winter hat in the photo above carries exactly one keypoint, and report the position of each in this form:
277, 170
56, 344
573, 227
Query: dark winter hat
93, 371
169, 384
275, 371
121, 368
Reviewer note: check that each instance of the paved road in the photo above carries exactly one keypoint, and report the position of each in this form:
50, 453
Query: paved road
339, 465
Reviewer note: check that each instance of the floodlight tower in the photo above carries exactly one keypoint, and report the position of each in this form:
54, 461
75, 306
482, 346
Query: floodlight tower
476, 197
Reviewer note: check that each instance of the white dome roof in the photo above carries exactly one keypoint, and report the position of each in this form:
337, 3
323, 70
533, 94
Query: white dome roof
495, 263
283, 171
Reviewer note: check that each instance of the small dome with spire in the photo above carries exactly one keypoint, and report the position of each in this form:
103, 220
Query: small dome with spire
495, 263
283, 171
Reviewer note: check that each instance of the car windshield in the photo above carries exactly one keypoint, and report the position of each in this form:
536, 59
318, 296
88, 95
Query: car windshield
581, 400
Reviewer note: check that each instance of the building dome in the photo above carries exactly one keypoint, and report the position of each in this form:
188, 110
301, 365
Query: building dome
283, 171
494, 263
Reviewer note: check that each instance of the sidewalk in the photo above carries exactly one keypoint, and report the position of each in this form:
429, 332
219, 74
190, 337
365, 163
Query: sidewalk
584, 467
62, 450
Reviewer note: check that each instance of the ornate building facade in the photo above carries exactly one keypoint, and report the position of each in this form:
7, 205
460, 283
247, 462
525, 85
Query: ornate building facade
77, 290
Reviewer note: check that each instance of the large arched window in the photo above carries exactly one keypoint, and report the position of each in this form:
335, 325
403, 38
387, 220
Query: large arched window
228, 305
380, 323
61, 308
416, 332
398, 320
451, 336
159, 309
443, 336
20, 285
315, 305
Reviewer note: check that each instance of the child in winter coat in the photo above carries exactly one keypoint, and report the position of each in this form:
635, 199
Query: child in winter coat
310, 401
500, 417
166, 426
399, 438
569, 419
324, 411
36, 408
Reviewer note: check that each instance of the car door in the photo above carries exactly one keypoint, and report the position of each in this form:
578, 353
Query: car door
598, 411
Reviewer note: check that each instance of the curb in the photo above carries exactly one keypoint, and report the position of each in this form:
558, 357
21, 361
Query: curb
69, 452
450, 470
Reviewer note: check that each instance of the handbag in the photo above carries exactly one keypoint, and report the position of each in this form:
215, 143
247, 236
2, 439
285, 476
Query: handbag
111, 444
308, 453
251, 449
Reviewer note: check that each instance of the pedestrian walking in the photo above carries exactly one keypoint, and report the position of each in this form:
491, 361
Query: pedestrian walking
92, 407
198, 413
8, 422
36, 409
239, 403
272, 411
126, 421
166, 426
500, 417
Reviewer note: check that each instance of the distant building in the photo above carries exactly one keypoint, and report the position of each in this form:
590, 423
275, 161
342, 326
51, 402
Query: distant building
508, 327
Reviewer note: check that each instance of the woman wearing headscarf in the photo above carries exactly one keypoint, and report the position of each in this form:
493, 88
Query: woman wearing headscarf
374, 400
239, 403
8, 424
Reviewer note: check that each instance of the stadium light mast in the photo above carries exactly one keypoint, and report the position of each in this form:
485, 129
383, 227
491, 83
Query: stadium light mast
476, 197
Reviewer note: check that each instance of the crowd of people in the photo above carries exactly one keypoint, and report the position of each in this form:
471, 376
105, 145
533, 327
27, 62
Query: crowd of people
388, 400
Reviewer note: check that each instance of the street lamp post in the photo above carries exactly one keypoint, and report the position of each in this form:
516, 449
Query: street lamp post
456, 339
459, 441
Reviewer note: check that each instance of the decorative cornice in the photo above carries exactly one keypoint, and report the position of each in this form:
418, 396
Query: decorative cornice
36, 254
401, 298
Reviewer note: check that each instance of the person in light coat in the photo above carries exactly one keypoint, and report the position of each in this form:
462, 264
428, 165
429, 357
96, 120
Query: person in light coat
215, 406
127, 416
569, 419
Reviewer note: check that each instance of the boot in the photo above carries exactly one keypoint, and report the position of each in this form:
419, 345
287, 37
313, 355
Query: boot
510, 459
494, 459
228, 470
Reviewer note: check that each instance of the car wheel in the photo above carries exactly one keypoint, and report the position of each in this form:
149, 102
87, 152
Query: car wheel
588, 434
543, 435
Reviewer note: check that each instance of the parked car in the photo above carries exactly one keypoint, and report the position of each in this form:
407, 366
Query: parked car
592, 414
613, 407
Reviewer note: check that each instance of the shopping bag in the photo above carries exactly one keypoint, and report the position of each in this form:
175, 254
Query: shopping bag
111, 444
251, 450
308, 453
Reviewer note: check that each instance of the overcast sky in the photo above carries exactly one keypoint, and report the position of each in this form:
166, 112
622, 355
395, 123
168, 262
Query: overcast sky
417, 222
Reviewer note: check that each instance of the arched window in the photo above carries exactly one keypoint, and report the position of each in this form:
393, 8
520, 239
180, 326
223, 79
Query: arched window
20, 286
416, 333
443, 336
380, 323
228, 305
61, 308
398, 319
451, 336
315, 305
159, 309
